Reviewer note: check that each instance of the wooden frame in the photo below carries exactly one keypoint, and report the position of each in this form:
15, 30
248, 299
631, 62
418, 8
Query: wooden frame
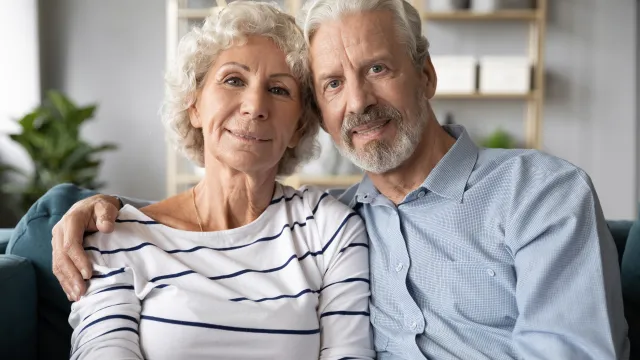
537, 19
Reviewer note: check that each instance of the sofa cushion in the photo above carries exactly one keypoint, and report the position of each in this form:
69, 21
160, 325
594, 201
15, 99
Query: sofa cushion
31, 239
17, 308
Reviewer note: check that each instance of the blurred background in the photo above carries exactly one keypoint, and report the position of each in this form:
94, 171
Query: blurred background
81, 83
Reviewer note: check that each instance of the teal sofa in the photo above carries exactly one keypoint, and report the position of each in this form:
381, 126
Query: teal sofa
34, 309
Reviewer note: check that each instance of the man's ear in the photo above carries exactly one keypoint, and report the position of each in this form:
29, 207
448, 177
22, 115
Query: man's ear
429, 77
194, 116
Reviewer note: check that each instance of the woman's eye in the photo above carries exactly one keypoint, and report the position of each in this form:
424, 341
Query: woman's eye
279, 91
377, 69
234, 81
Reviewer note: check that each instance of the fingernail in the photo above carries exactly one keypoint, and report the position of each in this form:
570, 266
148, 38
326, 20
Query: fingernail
76, 291
85, 274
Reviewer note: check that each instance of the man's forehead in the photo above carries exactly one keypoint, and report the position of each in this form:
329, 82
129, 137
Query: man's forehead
368, 31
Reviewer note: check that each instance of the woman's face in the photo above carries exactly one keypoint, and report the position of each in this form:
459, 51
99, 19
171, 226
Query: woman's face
248, 108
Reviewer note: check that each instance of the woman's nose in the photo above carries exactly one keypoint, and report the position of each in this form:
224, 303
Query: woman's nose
254, 104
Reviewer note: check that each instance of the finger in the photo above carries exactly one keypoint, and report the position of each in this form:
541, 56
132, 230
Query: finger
80, 260
105, 216
66, 286
76, 285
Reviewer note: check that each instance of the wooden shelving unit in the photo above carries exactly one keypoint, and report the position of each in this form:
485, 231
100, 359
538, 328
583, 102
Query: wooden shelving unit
536, 19
178, 14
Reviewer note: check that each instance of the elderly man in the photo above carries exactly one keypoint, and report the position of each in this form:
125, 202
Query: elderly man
475, 253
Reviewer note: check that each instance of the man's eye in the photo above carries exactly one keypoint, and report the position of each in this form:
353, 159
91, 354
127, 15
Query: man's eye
333, 84
377, 69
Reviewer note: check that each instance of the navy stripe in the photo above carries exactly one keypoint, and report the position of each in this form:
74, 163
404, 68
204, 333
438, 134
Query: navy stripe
245, 271
268, 238
319, 201
116, 272
121, 329
347, 281
348, 358
305, 291
231, 328
355, 245
108, 317
275, 201
137, 247
137, 221
108, 332
95, 312
332, 313
171, 276
337, 231
161, 286
123, 287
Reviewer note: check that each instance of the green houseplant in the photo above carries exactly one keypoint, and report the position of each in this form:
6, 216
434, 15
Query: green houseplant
499, 139
50, 135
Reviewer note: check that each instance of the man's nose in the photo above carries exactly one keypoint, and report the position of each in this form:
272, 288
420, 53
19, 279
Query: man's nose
360, 96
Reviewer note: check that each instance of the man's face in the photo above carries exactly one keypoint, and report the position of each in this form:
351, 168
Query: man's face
372, 97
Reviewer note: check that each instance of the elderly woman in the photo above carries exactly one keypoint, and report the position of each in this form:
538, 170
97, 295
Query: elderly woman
240, 266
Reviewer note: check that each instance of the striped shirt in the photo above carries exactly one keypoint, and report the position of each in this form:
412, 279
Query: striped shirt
497, 255
293, 284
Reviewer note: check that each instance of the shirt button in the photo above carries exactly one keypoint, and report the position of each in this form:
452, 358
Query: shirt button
421, 194
491, 272
414, 325
399, 267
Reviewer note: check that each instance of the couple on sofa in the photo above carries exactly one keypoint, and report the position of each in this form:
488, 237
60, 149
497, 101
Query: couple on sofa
472, 253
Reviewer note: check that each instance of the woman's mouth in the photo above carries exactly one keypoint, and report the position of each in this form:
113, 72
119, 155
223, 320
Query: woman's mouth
247, 136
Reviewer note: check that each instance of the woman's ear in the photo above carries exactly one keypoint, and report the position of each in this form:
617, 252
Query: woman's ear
297, 135
194, 116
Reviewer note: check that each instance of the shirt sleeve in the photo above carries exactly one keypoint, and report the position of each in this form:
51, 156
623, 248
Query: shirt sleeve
105, 320
568, 288
343, 309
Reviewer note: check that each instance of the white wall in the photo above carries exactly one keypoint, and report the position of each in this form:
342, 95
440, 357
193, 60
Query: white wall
113, 53
19, 72
590, 113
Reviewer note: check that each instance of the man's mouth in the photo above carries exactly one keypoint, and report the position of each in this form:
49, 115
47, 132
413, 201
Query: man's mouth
248, 136
370, 127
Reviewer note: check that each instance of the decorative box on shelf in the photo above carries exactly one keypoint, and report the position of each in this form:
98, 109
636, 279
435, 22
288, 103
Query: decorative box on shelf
456, 74
484, 6
505, 75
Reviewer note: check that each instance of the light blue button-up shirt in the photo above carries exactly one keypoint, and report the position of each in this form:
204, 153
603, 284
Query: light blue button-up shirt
499, 254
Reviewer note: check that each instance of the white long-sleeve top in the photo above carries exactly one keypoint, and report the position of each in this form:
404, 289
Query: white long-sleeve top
293, 284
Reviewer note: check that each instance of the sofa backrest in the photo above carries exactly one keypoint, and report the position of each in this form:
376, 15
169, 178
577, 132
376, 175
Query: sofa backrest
31, 239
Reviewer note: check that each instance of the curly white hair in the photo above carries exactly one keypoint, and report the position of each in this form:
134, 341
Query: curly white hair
197, 52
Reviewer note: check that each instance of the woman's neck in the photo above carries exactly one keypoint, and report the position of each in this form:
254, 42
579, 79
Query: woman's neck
230, 199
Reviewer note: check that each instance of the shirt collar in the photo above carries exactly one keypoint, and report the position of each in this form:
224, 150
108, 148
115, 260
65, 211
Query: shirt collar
448, 179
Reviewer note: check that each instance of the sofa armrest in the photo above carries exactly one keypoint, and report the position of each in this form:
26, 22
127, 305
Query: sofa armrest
18, 308
5, 236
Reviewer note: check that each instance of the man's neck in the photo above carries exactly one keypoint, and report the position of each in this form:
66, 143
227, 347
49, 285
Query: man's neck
399, 182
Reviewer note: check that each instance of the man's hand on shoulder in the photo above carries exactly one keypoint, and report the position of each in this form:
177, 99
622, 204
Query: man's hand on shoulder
69, 261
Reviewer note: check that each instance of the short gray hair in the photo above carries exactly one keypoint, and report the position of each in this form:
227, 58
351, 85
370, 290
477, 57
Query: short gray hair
196, 54
407, 19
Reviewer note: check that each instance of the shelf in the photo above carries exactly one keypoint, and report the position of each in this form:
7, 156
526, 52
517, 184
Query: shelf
194, 13
479, 96
294, 180
519, 15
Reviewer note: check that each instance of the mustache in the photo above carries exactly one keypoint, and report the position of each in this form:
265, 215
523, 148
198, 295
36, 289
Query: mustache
374, 113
